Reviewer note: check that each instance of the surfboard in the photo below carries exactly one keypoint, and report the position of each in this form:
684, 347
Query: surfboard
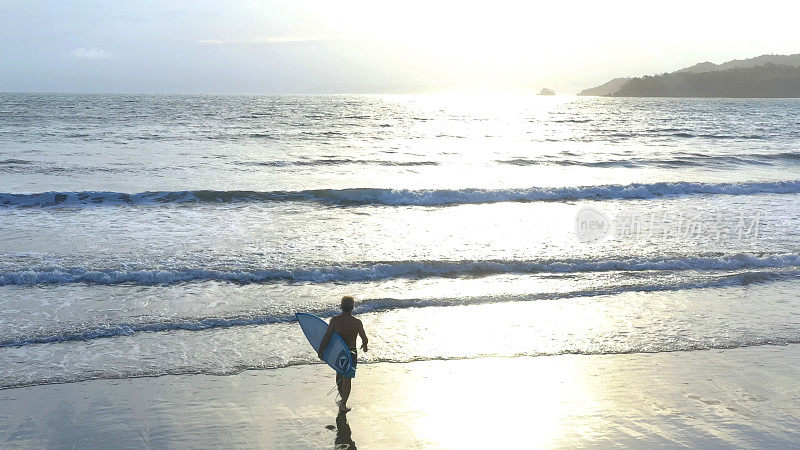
336, 353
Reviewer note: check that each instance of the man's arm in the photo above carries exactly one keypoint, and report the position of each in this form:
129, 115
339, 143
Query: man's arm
325, 339
363, 335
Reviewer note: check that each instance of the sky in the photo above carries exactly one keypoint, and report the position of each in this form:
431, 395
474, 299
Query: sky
264, 47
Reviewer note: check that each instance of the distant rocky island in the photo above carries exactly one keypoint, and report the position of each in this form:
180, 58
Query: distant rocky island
766, 76
546, 91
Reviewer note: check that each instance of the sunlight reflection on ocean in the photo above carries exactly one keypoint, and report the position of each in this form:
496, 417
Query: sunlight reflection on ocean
146, 235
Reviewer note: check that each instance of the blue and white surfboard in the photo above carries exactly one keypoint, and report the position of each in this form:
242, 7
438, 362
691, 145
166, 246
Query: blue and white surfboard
336, 353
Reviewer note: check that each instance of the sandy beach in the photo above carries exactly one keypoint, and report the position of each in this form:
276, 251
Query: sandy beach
748, 397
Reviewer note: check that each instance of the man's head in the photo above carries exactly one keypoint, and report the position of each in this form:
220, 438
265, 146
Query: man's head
347, 303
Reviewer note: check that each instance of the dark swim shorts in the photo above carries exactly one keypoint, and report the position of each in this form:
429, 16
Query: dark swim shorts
354, 361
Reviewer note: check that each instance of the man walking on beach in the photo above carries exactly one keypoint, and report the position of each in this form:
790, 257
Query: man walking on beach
348, 327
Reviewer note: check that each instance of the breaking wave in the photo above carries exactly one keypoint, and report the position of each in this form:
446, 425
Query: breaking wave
402, 197
377, 305
381, 270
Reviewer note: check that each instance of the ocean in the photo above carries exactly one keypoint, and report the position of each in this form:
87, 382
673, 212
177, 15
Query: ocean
143, 235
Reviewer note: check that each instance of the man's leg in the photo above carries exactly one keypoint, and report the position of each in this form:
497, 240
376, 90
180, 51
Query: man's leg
345, 392
339, 382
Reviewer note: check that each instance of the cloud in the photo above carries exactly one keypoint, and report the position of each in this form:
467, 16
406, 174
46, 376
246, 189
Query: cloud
91, 53
266, 40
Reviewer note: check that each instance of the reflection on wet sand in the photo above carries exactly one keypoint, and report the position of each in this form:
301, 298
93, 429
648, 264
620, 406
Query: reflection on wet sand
343, 433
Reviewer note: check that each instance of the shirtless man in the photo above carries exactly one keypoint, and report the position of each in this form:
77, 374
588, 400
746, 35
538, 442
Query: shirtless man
348, 327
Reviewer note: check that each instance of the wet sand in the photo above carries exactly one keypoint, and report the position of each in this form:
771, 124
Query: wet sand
746, 397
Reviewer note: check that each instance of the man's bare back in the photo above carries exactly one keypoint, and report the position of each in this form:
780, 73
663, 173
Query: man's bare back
348, 327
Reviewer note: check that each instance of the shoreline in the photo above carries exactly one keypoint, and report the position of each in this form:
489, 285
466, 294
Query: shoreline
734, 397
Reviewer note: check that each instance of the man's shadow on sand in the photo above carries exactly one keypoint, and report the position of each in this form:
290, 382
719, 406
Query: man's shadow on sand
343, 433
